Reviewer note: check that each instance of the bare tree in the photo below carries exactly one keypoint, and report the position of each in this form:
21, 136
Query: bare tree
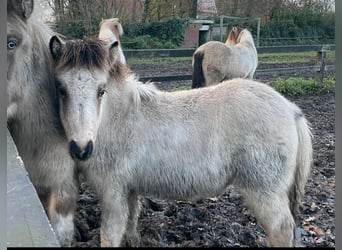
147, 11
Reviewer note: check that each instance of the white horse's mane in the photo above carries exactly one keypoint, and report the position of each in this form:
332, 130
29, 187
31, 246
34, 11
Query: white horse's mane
245, 36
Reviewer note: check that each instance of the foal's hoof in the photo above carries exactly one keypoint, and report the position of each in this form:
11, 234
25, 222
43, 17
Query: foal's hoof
131, 241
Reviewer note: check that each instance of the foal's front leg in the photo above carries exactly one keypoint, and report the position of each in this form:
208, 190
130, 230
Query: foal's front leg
114, 208
62, 213
132, 237
60, 206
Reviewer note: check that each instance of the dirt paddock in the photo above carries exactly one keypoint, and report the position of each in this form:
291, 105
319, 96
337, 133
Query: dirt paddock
224, 221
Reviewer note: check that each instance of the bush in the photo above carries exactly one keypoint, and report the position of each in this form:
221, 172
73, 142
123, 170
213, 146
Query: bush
305, 24
146, 42
294, 86
155, 35
70, 29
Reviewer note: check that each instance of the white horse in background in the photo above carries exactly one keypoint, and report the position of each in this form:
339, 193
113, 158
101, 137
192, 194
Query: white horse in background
110, 31
214, 61
131, 139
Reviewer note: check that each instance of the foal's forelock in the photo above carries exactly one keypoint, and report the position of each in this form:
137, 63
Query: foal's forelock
92, 54
78, 53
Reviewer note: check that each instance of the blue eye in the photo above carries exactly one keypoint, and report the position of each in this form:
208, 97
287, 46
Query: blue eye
11, 45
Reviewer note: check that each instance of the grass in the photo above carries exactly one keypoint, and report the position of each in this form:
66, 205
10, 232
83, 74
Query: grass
295, 86
292, 58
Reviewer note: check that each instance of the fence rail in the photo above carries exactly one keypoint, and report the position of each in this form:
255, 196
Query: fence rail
258, 72
132, 53
319, 68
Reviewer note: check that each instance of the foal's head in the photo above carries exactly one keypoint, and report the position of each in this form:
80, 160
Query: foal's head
23, 39
83, 68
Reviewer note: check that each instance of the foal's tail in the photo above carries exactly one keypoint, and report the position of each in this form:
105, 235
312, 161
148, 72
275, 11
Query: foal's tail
198, 80
304, 161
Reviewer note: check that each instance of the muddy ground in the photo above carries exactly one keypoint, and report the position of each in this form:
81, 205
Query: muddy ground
224, 221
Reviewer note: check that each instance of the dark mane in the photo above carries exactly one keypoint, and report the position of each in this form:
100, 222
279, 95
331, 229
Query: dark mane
90, 53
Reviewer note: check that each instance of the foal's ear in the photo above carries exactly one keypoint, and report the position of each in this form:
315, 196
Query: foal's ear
23, 8
27, 7
56, 47
236, 31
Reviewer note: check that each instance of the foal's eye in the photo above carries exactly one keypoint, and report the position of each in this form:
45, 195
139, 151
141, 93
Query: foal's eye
11, 45
101, 92
62, 92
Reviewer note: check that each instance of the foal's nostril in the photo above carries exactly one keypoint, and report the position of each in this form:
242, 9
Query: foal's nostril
78, 153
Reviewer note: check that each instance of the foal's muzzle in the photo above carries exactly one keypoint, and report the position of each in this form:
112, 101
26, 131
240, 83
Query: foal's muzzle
78, 153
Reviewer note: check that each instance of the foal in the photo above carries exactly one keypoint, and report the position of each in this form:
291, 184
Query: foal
32, 116
131, 139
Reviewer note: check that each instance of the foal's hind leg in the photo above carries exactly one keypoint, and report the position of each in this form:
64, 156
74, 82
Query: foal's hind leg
132, 237
273, 212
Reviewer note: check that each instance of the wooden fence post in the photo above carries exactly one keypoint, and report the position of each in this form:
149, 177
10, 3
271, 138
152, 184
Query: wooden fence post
320, 63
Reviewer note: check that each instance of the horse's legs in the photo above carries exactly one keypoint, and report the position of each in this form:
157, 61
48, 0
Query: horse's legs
273, 212
61, 212
60, 204
114, 208
132, 237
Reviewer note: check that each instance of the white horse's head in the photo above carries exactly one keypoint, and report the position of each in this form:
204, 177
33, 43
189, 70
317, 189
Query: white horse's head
83, 68
233, 35
238, 35
110, 31
245, 36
